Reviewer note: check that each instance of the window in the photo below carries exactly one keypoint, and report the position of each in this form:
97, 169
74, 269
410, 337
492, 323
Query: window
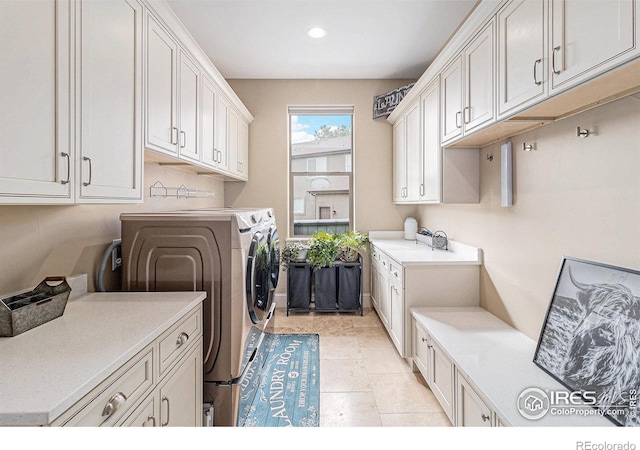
321, 170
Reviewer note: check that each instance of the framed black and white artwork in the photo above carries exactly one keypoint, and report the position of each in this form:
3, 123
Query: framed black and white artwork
590, 339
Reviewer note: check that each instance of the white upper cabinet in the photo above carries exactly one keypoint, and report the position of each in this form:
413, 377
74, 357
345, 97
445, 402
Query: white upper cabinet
189, 116
468, 87
109, 100
189, 100
587, 38
522, 55
36, 154
407, 154
243, 149
452, 100
162, 132
431, 161
237, 144
399, 160
479, 69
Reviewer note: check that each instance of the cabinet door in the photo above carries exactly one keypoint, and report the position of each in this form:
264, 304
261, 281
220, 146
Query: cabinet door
588, 37
451, 80
442, 379
396, 330
375, 285
181, 393
109, 80
431, 161
210, 154
35, 143
222, 132
243, 148
399, 160
188, 106
413, 151
479, 66
522, 54
472, 411
421, 351
232, 141
384, 299
161, 83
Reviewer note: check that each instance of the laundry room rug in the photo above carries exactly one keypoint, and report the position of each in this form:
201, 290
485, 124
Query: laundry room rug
283, 388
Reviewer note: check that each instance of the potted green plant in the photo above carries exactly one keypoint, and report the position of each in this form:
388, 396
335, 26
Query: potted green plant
352, 244
322, 255
294, 251
323, 250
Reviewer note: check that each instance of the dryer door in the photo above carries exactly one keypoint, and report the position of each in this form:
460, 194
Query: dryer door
274, 255
259, 290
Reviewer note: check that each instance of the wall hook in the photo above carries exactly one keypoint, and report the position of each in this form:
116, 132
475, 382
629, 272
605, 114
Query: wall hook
582, 133
527, 147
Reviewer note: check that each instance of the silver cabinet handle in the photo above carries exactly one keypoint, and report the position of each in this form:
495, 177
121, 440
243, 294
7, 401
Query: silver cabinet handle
553, 60
165, 399
66, 155
421, 189
85, 158
535, 72
485, 418
458, 114
467, 117
184, 139
174, 141
182, 339
152, 418
114, 404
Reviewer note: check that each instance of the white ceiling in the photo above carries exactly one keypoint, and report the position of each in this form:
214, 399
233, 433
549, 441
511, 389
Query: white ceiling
366, 39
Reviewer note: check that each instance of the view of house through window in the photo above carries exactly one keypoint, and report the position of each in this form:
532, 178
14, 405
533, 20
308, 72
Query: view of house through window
321, 164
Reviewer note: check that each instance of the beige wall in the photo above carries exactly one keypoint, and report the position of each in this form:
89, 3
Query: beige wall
573, 197
268, 158
39, 241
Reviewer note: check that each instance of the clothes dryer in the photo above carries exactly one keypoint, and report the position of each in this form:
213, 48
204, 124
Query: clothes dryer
232, 255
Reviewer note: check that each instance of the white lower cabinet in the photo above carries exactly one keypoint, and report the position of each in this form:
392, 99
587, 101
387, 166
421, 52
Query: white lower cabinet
462, 405
160, 386
177, 401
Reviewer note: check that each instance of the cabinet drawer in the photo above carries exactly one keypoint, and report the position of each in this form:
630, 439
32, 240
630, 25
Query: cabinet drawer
175, 341
118, 394
396, 271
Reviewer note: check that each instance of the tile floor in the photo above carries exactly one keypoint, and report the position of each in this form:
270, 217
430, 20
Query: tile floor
363, 380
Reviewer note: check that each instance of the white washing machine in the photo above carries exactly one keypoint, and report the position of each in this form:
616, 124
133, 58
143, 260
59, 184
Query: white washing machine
232, 255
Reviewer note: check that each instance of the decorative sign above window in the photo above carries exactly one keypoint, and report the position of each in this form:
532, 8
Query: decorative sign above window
384, 104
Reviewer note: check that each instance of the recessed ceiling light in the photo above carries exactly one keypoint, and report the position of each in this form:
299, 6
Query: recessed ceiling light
317, 32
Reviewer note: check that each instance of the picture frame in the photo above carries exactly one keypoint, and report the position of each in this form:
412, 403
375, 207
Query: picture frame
590, 337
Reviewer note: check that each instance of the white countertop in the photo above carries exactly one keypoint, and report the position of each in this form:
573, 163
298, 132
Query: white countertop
497, 360
418, 252
47, 369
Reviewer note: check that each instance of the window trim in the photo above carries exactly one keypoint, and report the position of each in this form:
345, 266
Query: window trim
319, 111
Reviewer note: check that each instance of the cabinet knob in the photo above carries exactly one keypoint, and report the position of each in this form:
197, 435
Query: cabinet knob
182, 339
114, 404
424, 339
485, 418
